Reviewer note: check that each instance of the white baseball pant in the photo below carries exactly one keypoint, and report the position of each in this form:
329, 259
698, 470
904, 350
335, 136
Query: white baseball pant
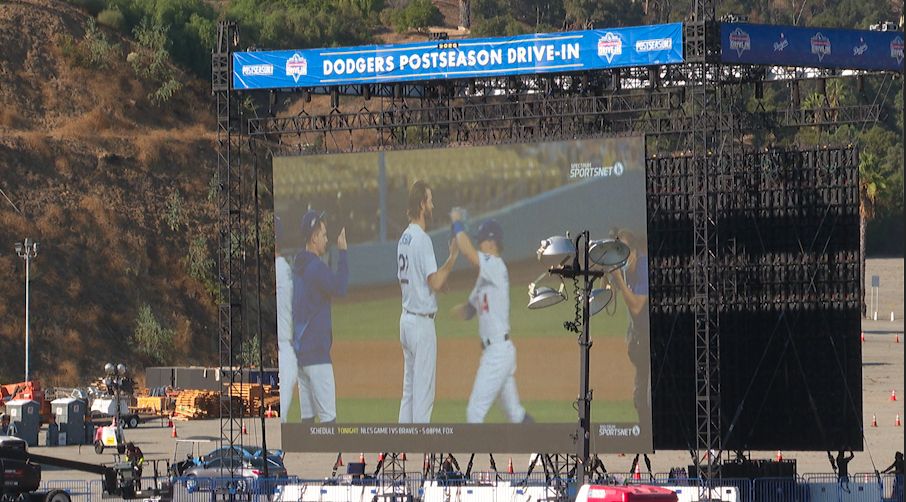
289, 373
419, 341
317, 392
495, 378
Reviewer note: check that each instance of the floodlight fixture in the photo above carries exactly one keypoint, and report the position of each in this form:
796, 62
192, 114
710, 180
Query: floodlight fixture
545, 296
608, 252
600, 298
556, 250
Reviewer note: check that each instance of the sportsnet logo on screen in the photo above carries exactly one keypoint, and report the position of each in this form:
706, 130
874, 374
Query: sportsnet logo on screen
296, 66
896, 49
821, 46
740, 41
610, 45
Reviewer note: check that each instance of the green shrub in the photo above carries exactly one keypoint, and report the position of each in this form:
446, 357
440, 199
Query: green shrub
92, 51
152, 61
112, 18
175, 212
150, 338
418, 15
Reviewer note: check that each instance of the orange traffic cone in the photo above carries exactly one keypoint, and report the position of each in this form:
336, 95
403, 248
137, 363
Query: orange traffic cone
244, 429
893, 395
173, 430
862, 337
896, 338
779, 455
380, 457
403, 456
361, 458
638, 471
874, 421
509, 465
896, 422
340, 460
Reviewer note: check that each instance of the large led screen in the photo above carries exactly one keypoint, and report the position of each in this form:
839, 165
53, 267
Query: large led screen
403, 280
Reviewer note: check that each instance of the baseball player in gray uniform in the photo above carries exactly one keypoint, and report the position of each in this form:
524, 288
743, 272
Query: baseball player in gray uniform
490, 300
420, 280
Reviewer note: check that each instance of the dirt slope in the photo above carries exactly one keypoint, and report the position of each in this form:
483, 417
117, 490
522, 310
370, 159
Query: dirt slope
91, 168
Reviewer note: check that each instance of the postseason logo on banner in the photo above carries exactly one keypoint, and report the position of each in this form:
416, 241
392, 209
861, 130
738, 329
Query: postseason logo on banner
746, 43
524, 54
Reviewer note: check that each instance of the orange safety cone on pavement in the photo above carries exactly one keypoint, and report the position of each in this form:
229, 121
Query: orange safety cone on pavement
361, 458
896, 423
340, 460
893, 395
509, 466
638, 471
380, 457
173, 430
403, 456
874, 421
244, 429
896, 338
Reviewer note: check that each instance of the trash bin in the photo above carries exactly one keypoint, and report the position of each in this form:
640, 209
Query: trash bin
24, 419
71, 419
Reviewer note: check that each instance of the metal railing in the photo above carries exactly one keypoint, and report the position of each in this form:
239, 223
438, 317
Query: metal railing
480, 486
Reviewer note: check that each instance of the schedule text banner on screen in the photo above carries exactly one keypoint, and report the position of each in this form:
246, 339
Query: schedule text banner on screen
811, 47
449, 59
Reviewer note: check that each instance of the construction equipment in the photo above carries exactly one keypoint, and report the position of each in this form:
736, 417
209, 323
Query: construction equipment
28, 391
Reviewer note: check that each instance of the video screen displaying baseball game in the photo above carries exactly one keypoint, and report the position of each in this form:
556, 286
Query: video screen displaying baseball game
403, 284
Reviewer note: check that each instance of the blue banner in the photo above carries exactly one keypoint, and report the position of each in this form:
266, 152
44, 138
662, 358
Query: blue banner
449, 59
746, 43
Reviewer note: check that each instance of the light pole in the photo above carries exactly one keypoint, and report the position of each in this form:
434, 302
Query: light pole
28, 249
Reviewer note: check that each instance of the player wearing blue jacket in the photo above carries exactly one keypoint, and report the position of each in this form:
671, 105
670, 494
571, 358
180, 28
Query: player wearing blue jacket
314, 287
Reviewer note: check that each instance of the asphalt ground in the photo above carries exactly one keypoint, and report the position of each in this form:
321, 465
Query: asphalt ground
883, 366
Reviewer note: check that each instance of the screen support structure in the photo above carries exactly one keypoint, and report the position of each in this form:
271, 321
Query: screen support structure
470, 111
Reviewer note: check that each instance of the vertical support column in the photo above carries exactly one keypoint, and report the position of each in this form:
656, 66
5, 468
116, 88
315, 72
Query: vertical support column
230, 231
702, 51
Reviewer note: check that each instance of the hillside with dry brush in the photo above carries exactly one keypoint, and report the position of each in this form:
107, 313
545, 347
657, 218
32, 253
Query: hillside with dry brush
116, 189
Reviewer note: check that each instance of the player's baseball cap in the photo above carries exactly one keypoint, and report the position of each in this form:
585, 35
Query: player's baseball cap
310, 221
490, 230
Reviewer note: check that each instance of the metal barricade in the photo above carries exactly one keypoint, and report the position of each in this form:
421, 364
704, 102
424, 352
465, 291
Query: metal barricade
79, 491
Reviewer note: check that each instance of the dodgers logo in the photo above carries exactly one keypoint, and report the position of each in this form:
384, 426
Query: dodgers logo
740, 41
861, 48
896, 49
781, 44
296, 66
821, 46
610, 45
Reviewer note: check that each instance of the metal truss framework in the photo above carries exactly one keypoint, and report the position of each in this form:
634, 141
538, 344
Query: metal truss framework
697, 108
230, 256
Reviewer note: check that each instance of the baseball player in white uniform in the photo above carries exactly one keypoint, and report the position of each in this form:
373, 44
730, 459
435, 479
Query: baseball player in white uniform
420, 280
286, 356
490, 299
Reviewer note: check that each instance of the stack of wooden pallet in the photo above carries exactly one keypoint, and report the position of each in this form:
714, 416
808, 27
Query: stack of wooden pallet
157, 405
252, 396
193, 404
